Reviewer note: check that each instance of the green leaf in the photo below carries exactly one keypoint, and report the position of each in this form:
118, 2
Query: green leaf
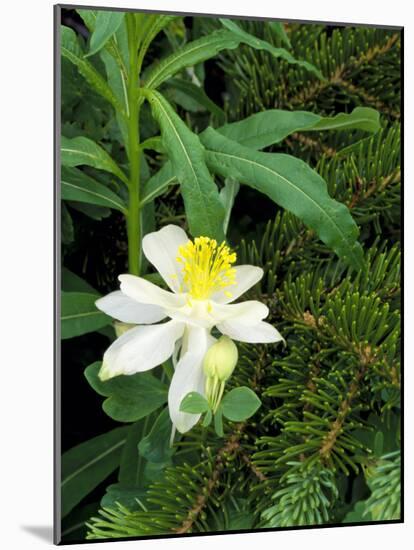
292, 184
258, 44
79, 314
152, 25
93, 211
227, 196
153, 143
120, 493
357, 513
199, 96
129, 398
186, 153
88, 464
207, 418
78, 186
361, 118
107, 23
209, 46
116, 75
89, 18
194, 403
239, 404
218, 422
155, 447
71, 50
279, 31
83, 151
191, 54
269, 127
158, 183
384, 435
73, 283
129, 467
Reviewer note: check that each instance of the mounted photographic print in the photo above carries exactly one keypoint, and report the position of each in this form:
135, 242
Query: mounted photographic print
228, 230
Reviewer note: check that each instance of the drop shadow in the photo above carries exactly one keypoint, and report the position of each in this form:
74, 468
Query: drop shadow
42, 532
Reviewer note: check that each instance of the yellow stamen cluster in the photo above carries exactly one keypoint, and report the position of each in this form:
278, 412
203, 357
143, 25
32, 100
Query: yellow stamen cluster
207, 267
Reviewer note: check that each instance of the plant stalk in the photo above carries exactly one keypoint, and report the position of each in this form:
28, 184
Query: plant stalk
134, 103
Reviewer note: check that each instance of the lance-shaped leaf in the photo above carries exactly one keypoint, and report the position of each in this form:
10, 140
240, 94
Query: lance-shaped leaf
279, 30
88, 464
78, 186
269, 127
79, 314
259, 44
83, 151
115, 56
292, 184
199, 96
155, 446
89, 18
93, 211
129, 467
228, 195
107, 23
205, 212
71, 50
191, 54
129, 397
73, 283
209, 46
158, 183
117, 79
152, 25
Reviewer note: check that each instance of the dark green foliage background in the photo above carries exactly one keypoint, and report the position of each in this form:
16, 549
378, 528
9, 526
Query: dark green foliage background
324, 446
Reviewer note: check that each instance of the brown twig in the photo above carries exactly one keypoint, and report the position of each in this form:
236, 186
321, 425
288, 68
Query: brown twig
231, 447
338, 76
366, 357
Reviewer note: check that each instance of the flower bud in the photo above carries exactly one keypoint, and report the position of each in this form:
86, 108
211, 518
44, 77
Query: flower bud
221, 359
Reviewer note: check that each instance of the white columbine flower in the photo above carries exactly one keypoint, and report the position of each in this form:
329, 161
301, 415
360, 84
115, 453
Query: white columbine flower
204, 282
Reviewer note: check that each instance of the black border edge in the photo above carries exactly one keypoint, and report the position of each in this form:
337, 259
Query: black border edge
231, 16
402, 240
57, 276
57, 520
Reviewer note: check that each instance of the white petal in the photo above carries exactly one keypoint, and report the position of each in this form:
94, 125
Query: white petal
140, 349
120, 306
161, 249
262, 333
248, 313
207, 314
188, 376
246, 277
197, 314
145, 292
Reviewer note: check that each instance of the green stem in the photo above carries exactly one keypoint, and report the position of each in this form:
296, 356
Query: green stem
134, 104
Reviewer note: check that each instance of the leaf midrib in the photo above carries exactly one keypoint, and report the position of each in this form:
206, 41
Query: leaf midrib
102, 159
340, 125
148, 197
149, 83
96, 194
93, 461
262, 166
182, 146
300, 129
77, 315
